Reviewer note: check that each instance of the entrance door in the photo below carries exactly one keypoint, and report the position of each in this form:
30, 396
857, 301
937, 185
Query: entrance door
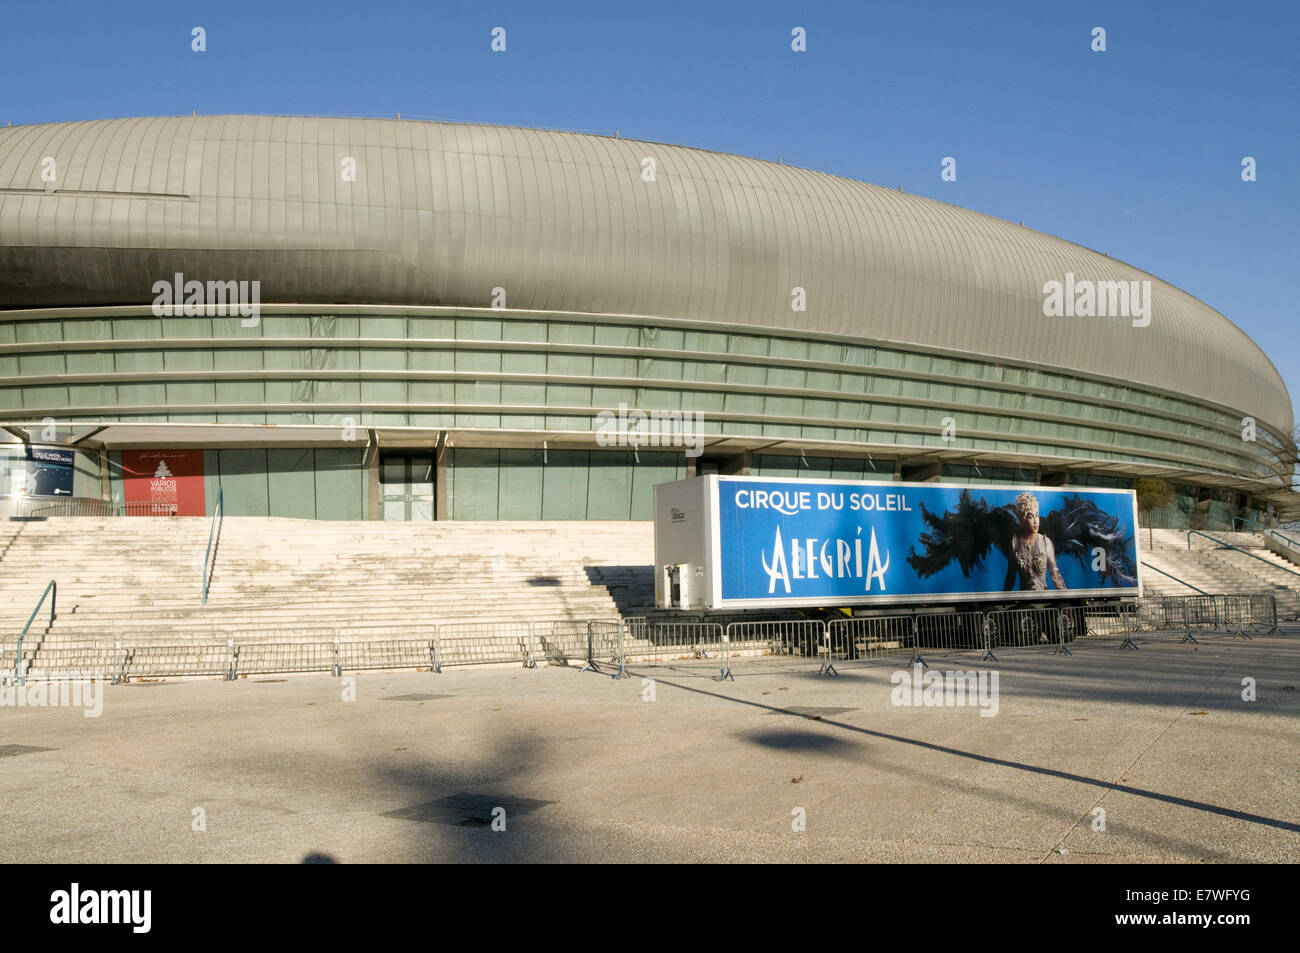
406, 486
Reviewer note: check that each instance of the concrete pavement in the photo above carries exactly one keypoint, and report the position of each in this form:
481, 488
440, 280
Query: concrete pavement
586, 769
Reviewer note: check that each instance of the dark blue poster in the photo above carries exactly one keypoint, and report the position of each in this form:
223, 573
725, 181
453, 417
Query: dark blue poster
855, 541
49, 471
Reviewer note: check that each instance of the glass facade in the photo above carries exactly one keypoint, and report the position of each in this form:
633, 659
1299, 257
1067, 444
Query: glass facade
485, 484
303, 483
822, 468
438, 369
955, 473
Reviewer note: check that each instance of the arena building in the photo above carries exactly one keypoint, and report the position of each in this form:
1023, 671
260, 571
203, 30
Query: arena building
440, 321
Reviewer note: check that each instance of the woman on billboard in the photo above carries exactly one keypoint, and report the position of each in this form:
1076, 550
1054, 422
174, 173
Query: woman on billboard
1033, 555
1078, 528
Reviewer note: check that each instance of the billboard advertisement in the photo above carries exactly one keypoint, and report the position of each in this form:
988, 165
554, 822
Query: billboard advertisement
49, 471
806, 542
163, 482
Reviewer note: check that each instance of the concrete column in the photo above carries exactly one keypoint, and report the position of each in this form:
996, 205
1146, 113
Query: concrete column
105, 486
372, 477
441, 471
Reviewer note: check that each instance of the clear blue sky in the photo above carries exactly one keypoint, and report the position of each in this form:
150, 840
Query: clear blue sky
1135, 152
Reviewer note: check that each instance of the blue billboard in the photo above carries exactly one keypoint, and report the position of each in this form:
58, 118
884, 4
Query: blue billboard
838, 542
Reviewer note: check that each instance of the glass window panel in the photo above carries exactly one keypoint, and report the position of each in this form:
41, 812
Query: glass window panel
478, 329
383, 392
565, 333
432, 328
564, 488
568, 395
610, 493
571, 365
520, 492
615, 335
374, 359
746, 374
473, 486
705, 342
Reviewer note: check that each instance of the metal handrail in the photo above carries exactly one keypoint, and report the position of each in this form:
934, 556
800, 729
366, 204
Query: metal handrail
220, 510
1197, 532
1295, 543
1268, 531
1174, 578
18, 652
40, 507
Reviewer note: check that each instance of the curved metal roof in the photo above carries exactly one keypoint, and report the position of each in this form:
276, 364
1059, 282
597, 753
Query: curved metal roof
442, 213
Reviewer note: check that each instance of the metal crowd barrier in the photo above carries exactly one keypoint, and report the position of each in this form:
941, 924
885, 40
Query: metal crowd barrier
1108, 622
605, 646
870, 637
1024, 628
48, 507
593, 643
1182, 617
601, 644
267, 658
1239, 614
654, 642
950, 632
354, 656
477, 643
775, 637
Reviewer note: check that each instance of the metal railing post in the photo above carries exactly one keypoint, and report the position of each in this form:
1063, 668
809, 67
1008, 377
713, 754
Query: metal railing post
916, 646
219, 509
726, 655
1240, 620
620, 648
827, 667
1131, 624
120, 677
1061, 648
20, 677
526, 649
987, 627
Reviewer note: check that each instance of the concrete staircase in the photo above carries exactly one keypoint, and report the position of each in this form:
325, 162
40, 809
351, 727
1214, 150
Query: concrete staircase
1219, 569
138, 581
284, 589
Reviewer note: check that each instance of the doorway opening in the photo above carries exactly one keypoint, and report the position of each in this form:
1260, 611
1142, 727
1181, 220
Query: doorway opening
406, 486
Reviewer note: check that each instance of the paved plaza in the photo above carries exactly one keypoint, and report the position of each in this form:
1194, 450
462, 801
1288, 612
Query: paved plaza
581, 767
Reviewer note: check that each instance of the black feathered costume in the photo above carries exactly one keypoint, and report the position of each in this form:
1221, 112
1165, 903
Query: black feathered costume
967, 533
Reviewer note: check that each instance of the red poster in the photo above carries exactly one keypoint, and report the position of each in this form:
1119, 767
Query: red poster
163, 482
